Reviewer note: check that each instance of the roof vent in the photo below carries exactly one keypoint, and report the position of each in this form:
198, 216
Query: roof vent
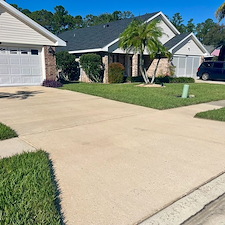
105, 25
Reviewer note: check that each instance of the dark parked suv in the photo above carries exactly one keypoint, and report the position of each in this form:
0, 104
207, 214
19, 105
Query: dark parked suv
212, 70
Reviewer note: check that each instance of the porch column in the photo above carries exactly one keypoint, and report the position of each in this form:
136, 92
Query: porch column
105, 61
50, 63
135, 65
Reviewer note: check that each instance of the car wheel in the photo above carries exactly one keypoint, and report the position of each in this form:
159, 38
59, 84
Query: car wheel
205, 76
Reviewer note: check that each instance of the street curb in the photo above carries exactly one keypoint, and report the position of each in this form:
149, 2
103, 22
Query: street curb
186, 207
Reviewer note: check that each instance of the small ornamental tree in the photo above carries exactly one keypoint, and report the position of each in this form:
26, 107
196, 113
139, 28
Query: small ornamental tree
158, 52
140, 36
66, 62
92, 66
116, 73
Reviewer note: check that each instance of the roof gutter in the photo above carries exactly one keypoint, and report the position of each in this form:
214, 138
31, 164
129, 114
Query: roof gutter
87, 51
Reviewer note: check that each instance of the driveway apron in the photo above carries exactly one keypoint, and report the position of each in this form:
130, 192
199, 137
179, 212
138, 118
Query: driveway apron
116, 163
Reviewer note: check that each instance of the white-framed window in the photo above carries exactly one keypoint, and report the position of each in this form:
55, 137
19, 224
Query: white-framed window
13, 51
34, 52
2, 50
23, 52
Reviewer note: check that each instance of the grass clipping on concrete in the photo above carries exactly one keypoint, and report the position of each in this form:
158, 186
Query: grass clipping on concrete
28, 193
6, 132
216, 114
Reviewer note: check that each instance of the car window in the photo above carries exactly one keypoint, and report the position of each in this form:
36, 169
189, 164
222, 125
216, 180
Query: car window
207, 64
218, 65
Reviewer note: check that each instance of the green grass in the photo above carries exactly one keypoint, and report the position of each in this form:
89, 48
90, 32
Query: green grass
28, 193
6, 132
216, 114
158, 98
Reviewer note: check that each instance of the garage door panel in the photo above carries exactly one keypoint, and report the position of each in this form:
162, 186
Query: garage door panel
25, 60
26, 71
5, 80
15, 61
15, 71
35, 61
20, 66
5, 70
186, 66
4, 60
16, 80
189, 69
36, 71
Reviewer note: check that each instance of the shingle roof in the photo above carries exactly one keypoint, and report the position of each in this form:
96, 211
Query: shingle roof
97, 36
175, 40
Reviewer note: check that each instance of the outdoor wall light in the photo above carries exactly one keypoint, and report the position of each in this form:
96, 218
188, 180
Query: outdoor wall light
51, 50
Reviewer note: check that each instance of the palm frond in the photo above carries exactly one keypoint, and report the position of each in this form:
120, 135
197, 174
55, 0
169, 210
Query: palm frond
220, 13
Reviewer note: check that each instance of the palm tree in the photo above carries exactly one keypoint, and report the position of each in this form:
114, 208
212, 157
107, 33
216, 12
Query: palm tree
140, 36
159, 51
220, 13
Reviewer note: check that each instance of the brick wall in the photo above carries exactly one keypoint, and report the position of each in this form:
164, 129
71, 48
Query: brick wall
163, 68
106, 61
50, 64
135, 65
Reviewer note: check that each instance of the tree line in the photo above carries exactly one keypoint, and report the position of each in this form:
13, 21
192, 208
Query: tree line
208, 32
60, 20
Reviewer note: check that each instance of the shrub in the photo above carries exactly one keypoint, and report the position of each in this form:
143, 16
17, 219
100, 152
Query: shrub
165, 79
169, 79
52, 83
116, 73
66, 62
92, 66
183, 80
135, 79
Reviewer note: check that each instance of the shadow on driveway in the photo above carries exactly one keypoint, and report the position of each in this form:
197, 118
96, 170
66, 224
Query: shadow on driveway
19, 94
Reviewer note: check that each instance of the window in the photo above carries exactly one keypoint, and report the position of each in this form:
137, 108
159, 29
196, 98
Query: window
218, 65
24, 52
207, 64
34, 52
2, 51
13, 51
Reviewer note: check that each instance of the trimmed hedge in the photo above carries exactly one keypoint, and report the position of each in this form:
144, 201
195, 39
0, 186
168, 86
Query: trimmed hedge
166, 79
116, 73
52, 83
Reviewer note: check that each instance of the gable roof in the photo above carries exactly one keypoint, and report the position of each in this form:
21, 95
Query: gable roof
56, 41
176, 40
97, 37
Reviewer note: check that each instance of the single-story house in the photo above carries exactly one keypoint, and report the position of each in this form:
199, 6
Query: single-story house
103, 39
26, 49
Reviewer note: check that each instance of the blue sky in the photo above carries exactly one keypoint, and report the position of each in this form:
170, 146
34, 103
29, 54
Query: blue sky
199, 10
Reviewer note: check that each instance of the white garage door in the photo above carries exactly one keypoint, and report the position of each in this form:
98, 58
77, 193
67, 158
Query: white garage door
186, 66
20, 66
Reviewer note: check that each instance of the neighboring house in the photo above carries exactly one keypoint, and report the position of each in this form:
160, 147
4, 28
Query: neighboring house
26, 57
187, 51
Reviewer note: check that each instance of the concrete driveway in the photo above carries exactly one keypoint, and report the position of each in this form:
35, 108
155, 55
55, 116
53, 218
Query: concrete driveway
116, 163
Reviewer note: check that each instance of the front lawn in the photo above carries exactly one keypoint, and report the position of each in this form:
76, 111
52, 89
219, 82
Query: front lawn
28, 194
158, 98
216, 114
6, 132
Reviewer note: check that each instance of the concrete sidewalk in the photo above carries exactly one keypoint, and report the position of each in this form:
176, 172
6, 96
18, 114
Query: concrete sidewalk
117, 163
14, 146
